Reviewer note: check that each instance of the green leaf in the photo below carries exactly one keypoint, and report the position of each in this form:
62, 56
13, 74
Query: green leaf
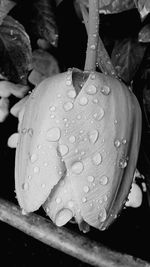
144, 34
127, 56
15, 51
43, 22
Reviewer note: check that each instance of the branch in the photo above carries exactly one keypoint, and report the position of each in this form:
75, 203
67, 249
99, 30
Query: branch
65, 240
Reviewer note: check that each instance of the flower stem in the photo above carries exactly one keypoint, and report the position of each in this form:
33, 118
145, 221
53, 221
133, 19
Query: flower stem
98, 56
93, 29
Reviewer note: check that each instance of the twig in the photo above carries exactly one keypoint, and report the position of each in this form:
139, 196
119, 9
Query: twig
64, 240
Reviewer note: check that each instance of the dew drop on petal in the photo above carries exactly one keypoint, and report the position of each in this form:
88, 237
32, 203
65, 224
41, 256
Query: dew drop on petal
79, 117
122, 163
33, 158
117, 143
97, 159
124, 141
84, 199
102, 215
52, 108
77, 167
58, 200
72, 139
105, 90
86, 189
25, 186
93, 47
63, 149
71, 93
103, 180
68, 106
99, 115
93, 136
95, 101
30, 132
43, 185
90, 178
91, 90
83, 101
36, 169
53, 134
92, 76
68, 82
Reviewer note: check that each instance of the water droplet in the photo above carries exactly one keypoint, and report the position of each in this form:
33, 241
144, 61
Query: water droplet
102, 215
83, 101
68, 106
99, 115
82, 153
91, 90
95, 101
105, 198
115, 121
43, 185
30, 132
29, 177
93, 136
103, 180
79, 117
52, 116
93, 47
97, 159
53, 134
105, 90
124, 141
90, 178
71, 93
122, 163
70, 204
92, 76
36, 169
52, 108
25, 186
72, 139
33, 158
68, 82
117, 143
24, 131
63, 149
84, 199
86, 189
77, 167
58, 200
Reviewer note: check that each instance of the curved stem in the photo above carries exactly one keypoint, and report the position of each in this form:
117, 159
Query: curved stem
98, 56
93, 29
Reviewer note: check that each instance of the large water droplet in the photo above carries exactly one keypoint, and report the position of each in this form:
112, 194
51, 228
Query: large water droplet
97, 159
25, 186
93, 136
68, 81
53, 134
122, 163
103, 180
91, 90
105, 90
83, 101
77, 167
63, 149
102, 215
124, 141
71, 93
72, 139
68, 106
99, 115
93, 47
63, 217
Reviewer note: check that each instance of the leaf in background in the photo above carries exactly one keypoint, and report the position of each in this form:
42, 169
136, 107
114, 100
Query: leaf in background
15, 51
126, 56
5, 7
43, 22
110, 6
144, 34
143, 7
